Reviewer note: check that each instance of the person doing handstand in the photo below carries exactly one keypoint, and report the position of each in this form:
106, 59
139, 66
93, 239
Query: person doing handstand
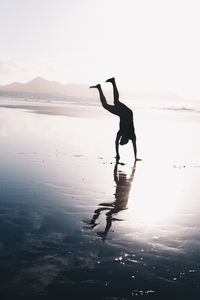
126, 128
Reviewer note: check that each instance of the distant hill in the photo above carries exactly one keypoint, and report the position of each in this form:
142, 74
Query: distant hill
40, 86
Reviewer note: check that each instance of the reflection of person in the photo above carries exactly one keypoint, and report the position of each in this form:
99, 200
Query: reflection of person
123, 187
126, 131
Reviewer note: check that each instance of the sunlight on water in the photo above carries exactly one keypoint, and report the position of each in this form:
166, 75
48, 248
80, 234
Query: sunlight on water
155, 203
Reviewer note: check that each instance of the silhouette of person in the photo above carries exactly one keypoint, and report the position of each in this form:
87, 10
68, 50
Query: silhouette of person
123, 187
126, 128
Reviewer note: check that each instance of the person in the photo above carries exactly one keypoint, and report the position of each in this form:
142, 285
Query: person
126, 128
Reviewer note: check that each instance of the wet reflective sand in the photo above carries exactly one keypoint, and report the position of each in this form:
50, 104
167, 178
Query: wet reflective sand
74, 225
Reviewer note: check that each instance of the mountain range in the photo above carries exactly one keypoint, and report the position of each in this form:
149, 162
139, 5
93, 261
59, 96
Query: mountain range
42, 87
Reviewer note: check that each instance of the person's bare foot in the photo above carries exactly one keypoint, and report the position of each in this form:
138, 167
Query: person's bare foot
95, 86
111, 80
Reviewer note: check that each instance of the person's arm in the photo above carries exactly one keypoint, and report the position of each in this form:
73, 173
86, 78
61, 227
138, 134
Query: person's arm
117, 146
134, 148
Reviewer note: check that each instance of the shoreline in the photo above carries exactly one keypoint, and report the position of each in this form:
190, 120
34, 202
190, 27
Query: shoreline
90, 111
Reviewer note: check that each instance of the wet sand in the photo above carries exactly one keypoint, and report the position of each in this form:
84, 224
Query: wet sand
60, 110
74, 225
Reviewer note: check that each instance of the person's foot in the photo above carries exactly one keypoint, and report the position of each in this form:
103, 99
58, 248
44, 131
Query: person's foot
95, 86
111, 80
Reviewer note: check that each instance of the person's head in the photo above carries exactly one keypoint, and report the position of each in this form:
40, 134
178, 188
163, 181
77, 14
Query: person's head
124, 140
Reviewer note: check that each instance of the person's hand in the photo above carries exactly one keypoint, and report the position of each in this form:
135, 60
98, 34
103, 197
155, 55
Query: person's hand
138, 159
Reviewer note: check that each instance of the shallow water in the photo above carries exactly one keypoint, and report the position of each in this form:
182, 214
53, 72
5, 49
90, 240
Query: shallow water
76, 226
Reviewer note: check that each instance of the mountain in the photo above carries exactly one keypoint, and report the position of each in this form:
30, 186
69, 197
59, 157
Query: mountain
41, 86
12, 86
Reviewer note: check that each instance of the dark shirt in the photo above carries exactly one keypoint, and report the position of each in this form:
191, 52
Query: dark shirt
126, 120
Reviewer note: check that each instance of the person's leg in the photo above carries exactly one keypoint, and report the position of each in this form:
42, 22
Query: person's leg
115, 90
110, 108
117, 146
92, 223
101, 95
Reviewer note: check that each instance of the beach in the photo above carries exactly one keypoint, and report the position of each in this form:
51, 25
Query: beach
74, 225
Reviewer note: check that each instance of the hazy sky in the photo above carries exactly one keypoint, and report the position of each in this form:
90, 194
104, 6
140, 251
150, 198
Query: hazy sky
148, 45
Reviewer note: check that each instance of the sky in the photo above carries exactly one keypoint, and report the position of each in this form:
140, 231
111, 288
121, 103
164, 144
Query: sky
148, 45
